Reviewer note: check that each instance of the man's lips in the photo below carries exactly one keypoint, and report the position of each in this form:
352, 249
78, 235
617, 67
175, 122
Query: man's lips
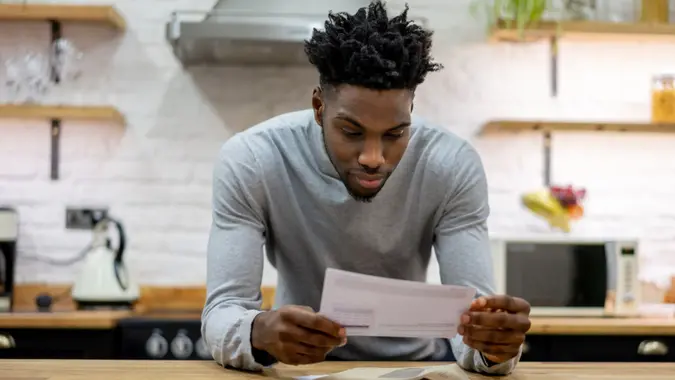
369, 181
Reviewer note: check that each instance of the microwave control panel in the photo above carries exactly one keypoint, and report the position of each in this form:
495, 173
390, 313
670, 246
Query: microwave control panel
627, 297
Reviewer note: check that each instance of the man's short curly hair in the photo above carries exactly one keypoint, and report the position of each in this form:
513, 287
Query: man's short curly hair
368, 49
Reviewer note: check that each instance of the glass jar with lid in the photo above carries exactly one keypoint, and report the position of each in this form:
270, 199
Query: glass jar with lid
619, 11
579, 10
663, 98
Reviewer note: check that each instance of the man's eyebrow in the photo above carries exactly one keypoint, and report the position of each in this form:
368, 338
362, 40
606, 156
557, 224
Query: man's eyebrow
400, 126
357, 124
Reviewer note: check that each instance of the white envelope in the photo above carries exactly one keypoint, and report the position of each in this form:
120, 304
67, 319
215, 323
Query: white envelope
375, 306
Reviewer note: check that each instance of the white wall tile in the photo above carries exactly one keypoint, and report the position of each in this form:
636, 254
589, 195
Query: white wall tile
156, 173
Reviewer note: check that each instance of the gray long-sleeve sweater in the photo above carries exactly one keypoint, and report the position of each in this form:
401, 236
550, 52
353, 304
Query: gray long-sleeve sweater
274, 186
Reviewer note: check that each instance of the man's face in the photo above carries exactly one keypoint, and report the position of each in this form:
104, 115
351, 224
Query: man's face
365, 132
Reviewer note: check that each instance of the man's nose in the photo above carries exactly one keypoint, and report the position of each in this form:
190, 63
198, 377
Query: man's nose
372, 155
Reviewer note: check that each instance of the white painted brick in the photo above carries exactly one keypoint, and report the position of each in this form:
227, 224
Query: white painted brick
137, 193
153, 218
142, 171
41, 216
162, 268
155, 174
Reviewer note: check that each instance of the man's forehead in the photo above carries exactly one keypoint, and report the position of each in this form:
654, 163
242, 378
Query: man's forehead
356, 94
366, 103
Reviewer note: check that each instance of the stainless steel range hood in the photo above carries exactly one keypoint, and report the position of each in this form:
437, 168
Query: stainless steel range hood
251, 32
241, 38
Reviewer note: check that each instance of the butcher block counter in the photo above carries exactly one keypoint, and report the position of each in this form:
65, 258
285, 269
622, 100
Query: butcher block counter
186, 303
89, 320
68, 319
67, 334
554, 326
195, 370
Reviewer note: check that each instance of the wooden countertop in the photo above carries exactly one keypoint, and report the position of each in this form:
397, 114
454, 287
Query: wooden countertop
602, 326
186, 303
554, 326
63, 319
85, 319
207, 370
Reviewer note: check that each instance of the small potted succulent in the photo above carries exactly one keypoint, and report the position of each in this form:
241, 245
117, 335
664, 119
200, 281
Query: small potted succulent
524, 14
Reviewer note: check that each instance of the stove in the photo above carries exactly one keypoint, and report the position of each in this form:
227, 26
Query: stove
161, 338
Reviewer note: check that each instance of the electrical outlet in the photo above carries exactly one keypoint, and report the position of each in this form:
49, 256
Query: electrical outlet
84, 218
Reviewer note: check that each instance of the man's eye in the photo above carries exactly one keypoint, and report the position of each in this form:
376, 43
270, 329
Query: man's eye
396, 134
351, 133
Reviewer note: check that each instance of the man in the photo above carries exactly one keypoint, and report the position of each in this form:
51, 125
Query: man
355, 183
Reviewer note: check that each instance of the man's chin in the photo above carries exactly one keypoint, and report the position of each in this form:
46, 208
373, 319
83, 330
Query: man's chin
359, 193
363, 196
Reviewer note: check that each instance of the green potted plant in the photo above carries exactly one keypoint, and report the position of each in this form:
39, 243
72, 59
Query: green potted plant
524, 14
519, 13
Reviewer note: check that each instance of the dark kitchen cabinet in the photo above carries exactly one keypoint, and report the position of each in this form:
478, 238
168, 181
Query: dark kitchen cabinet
536, 349
59, 344
599, 348
613, 348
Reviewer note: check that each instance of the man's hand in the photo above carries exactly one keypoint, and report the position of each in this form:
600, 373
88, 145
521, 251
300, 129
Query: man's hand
496, 326
296, 335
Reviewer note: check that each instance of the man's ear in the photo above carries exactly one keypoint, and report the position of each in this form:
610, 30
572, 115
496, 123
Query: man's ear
318, 105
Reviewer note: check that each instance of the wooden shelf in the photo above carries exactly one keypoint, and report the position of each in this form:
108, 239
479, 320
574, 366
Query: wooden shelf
588, 31
104, 14
61, 112
55, 114
550, 126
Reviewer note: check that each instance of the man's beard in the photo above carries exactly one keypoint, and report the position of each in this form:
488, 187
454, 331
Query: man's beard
344, 179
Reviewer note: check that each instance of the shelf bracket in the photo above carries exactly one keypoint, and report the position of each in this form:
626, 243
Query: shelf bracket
55, 143
554, 93
547, 158
554, 65
55, 130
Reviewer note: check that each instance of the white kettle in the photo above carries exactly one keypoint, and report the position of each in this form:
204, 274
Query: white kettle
104, 281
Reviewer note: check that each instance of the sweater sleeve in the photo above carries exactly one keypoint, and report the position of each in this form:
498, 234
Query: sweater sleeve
235, 259
463, 250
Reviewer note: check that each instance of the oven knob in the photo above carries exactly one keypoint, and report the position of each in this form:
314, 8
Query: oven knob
202, 350
181, 346
156, 346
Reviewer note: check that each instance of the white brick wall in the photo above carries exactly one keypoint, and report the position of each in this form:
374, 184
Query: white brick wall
156, 173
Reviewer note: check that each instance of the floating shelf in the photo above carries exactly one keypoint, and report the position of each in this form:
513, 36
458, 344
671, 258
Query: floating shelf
61, 112
550, 126
546, 127
587, 30
55, 114
103, 14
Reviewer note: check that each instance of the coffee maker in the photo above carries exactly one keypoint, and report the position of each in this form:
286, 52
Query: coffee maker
9, 233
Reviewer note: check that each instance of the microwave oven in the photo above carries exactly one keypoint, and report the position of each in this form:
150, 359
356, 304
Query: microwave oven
569, 277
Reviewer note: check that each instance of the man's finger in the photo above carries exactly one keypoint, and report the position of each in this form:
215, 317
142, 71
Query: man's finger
489, 335
316, 353
316, 339
313, 321
504, 302
517, 322
500, 350
302, 359
311, 338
